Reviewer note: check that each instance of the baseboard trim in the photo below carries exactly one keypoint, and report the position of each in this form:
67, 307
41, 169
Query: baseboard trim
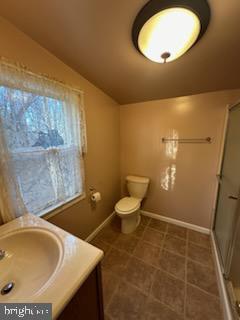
175, 221
151, 215
100, 227
221, 282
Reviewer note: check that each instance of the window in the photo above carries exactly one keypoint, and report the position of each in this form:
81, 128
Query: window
43, 125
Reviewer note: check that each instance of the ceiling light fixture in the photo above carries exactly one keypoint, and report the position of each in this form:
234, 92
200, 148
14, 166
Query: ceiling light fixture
165, 29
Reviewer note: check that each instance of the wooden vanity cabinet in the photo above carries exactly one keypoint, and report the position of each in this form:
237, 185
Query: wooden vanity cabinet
87, 303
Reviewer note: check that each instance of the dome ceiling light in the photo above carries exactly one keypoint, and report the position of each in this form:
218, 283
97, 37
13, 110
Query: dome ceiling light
165, 29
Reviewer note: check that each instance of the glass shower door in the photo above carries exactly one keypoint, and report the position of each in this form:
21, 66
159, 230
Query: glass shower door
229, 188
233, 280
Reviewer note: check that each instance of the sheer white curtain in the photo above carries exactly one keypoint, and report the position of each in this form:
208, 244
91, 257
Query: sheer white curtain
43, 139
11, 203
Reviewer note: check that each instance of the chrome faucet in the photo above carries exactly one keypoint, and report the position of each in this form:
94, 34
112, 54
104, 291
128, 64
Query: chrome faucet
2, 254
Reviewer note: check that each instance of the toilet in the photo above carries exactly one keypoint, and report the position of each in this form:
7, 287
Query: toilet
128, 208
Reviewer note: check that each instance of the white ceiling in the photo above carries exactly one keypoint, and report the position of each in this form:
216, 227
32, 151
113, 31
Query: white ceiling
94, 38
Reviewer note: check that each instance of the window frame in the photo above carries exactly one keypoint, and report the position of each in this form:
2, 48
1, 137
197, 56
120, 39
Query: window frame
54, 209
17, 76
61, 206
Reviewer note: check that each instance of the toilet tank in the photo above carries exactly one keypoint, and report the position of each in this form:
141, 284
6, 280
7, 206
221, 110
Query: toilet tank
137, 186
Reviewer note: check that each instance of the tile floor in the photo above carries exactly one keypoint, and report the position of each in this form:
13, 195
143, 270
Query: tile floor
160, 272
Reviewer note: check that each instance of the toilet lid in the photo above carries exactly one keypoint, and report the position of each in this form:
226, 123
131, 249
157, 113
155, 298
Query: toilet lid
128, 204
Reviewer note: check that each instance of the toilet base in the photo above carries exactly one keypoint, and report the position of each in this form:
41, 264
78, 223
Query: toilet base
130, 224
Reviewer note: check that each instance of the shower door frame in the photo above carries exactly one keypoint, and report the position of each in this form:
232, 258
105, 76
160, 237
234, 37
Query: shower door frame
225, 268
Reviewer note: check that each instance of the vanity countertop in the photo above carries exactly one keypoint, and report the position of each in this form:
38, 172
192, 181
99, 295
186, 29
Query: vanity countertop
78, 260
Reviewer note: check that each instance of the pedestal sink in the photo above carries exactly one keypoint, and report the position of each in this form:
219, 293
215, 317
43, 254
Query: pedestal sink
32, 257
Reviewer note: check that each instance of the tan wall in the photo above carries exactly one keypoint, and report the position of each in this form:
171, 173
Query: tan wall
183, 181
102, 115
182, 187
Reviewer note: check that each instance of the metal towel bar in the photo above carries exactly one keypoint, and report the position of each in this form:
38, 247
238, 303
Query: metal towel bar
202, 140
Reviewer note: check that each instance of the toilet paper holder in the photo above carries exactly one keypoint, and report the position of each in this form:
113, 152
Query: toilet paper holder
93, 193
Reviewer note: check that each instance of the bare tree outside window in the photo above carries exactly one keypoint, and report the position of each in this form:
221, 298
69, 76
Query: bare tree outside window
45, 153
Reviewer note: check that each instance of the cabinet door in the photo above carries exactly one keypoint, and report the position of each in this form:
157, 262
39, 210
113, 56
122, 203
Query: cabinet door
87, 304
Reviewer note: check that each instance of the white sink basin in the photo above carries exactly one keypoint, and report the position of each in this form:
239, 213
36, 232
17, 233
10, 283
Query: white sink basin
32, 257
45, 263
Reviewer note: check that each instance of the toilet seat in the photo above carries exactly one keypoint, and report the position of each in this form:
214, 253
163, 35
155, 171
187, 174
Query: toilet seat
127, 205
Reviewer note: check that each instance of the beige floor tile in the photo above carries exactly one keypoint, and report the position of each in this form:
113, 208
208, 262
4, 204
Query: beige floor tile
140, 274
177, 231
199, 238
143, 281
158, 225
106, 317
110, 282
154, 237
173, 264
108, 235
147, 252
128, 303
116, 261
139, 231
97, 242
169, 290
157, 311
126, 242
202, 306
202, 277
145, 220
175, 245
115, 224
200, 254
